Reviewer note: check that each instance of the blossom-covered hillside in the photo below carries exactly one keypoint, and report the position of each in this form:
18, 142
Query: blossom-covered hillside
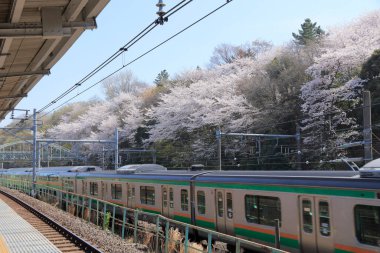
259, 89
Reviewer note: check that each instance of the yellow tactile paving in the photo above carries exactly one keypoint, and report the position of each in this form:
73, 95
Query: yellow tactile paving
3, 245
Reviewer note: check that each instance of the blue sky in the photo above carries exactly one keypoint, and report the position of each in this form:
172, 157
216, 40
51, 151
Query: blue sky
239, 22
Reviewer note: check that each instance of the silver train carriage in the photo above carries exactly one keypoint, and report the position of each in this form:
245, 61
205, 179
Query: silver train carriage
318, 211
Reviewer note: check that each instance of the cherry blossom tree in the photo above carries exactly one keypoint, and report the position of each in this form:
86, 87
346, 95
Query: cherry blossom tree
100, 120
204, 103
335, 88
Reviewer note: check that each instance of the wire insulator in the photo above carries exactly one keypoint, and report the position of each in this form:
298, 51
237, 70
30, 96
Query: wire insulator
160, 6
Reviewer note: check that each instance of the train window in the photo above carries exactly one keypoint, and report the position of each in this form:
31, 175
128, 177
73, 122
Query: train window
262, 209
116, 191
131, 193
53, 178
93, 188
165, 197
230, 213
171, 197
147, 195
184, 200
220, 205
324, 218
69, 185
201, 200
307, 214
367, 224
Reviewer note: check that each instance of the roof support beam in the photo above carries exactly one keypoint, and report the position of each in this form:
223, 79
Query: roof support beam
73, 9
13, 97
17, 7
30, 73
94, 7
4, 51
43, 54
8, 30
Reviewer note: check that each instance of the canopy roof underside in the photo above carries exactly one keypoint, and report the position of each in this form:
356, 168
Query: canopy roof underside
34, 35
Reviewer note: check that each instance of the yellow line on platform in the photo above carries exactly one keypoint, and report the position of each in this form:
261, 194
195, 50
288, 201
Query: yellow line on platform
3, 245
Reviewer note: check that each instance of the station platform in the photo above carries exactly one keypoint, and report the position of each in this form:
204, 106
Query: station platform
18, 236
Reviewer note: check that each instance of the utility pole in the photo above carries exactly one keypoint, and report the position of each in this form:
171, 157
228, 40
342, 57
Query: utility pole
219, 138
34, 128
367, 127
299, 152
116, 148
103, 157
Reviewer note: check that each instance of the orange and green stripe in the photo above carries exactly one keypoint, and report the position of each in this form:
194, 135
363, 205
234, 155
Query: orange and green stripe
266, 235
205, 222
182, 217
340, 248
294, 189
149, 209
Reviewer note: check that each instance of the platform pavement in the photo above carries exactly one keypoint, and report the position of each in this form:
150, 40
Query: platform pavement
18, 236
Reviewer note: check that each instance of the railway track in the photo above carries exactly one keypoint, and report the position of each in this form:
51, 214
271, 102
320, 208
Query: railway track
61, 237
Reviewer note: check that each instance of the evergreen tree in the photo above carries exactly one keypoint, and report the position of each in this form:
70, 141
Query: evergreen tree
371, 72
162, 78
309, 33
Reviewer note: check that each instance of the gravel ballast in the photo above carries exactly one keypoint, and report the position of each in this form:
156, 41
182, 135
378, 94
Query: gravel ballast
102, 239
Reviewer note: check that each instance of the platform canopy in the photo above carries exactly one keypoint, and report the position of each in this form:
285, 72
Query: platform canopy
34, 35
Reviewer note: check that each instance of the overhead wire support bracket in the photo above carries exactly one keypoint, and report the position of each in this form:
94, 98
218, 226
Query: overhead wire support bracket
161, 19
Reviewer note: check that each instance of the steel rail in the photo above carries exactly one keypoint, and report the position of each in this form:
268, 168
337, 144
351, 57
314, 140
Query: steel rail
81, 243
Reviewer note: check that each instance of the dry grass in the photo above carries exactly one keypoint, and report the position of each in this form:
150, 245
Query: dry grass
86, 213
175, 238
147, 234
72, 209
193, 247
176, 243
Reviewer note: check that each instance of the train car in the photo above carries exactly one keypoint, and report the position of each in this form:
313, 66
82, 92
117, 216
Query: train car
318, 211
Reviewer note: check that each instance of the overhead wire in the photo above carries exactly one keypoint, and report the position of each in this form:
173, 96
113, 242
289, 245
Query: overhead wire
124, 48
134, 60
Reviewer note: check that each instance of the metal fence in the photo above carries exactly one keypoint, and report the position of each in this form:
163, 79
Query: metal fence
159, 233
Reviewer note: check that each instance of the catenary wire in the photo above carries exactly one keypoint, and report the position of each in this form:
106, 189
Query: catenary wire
137, 58
139, 36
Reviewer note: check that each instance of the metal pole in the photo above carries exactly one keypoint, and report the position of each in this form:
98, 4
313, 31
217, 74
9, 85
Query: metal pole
299, 152
124, 220
34, 152
367, 131
39, 153
158, 233
167, 237
209, 243
103, 158
187, 239
116, 148
135, 226
277, 234
219, 137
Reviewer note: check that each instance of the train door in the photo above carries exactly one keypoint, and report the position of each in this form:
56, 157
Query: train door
315, 225
84, 187
131, 196
103, 193
224, 212
167, 201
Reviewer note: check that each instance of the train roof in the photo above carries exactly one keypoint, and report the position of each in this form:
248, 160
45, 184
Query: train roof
347, 179
74, 171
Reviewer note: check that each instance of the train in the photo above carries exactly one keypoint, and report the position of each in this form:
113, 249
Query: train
317, 211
